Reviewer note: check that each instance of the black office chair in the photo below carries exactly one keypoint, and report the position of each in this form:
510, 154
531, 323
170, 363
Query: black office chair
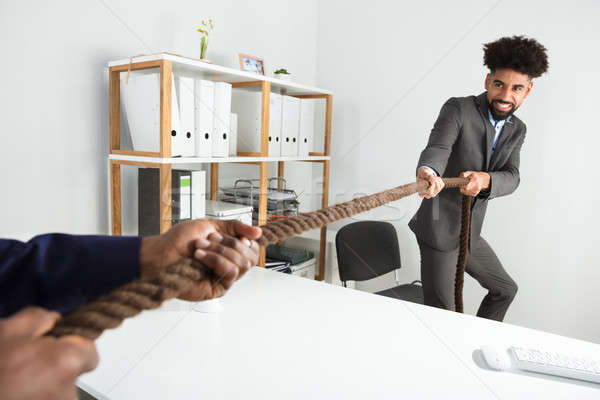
369, 249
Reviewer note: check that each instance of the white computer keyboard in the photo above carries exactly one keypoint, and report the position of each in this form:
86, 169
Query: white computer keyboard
551, 363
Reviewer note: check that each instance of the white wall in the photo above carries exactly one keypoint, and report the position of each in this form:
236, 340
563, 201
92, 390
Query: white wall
54, 102
392, 65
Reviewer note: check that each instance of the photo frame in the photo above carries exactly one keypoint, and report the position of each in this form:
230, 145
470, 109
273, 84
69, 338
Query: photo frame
253, 64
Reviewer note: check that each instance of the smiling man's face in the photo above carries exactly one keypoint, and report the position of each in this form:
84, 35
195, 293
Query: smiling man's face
506, 90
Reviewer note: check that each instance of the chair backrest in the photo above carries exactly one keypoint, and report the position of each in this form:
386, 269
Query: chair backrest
366, 250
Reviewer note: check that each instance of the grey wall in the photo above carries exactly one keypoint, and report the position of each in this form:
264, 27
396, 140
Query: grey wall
392, 65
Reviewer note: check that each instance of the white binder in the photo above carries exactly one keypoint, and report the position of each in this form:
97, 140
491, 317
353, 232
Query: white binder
307, 126
141, 100
220, 144
204, 93
275, 111
248, 107
185, 196
198, 194
290, 123
185, 95
233, 134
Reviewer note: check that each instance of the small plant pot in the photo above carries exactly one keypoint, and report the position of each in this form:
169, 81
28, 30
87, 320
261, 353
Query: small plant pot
284, 77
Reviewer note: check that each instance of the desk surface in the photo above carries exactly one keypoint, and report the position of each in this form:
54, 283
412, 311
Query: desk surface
280, 336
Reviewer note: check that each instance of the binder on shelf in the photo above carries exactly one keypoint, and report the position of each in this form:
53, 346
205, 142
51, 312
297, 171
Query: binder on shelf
149, 199
307, 126
141, 100
275, 111
184, 180
248, 106
233, 134
185, 95
204, 93
220, 144
198, 194
290, 123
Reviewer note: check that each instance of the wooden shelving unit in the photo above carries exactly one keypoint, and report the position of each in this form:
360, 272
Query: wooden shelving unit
168, 64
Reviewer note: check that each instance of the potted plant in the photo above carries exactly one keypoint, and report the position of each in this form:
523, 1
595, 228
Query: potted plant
282, 74
205, 30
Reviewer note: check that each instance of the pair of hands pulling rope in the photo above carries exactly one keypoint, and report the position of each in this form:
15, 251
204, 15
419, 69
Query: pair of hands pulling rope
109, 311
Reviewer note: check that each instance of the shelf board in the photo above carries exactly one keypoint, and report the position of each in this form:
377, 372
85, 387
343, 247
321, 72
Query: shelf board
215, 73
211, 160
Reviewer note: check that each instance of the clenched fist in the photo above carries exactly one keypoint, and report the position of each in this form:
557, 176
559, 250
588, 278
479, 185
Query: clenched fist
36, 367
436, 184
227, 248
478, 181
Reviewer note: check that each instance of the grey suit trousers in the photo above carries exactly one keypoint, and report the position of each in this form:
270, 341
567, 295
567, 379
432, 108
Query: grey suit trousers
438, 271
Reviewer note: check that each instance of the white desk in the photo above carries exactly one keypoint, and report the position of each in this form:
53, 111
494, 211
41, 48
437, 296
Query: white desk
284, 337
462, 334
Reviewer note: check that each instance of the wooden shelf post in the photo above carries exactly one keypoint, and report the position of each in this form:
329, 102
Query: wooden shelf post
280, 174
114, 107
115, 197
166, 195
264, 166
325, 200
262, 206
214, 181
324, 203
166, 79
264, 129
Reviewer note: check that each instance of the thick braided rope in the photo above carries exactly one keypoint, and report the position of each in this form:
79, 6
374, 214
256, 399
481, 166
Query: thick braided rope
461, 265
129, 300
277, 231
109, 311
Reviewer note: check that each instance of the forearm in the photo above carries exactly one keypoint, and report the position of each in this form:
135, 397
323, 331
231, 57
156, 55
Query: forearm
503, 183
506, 180
435, 159
61, 272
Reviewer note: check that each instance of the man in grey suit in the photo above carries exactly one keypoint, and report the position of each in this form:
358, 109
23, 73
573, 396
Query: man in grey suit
477, 137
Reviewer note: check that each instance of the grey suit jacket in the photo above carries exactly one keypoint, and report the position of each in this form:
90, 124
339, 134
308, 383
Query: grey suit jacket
461, 140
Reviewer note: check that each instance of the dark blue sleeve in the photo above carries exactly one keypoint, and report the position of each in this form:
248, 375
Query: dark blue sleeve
61, 272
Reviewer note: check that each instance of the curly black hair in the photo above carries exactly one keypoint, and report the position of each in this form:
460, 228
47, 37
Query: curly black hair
518, 53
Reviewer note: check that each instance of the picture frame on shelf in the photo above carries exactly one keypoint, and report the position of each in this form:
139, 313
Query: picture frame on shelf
253, 64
